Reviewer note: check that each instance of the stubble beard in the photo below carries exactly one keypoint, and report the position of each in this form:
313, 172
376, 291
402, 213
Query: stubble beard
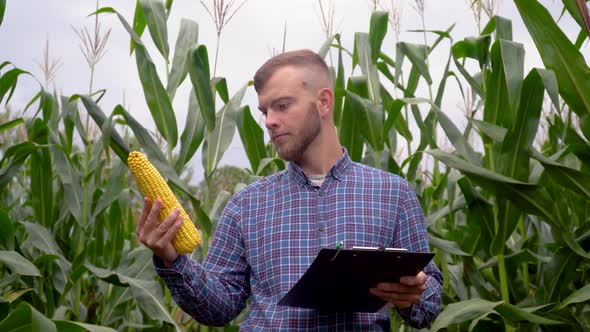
292, 151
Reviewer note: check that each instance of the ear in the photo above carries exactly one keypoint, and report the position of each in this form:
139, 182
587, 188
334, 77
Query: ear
325, 101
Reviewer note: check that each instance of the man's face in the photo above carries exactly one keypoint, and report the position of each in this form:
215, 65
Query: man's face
292, 117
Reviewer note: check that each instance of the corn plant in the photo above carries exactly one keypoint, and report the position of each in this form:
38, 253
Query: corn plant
507, 217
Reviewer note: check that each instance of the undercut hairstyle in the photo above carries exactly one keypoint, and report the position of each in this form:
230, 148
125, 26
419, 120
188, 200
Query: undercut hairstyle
300, 59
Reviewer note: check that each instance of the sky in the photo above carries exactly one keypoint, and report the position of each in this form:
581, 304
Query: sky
253, 35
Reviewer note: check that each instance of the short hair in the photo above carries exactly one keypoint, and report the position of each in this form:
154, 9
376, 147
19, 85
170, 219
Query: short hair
299, 58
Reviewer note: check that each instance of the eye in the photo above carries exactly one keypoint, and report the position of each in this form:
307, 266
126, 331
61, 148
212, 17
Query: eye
282, 106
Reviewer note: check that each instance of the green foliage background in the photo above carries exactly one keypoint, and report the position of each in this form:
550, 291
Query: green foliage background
507, 217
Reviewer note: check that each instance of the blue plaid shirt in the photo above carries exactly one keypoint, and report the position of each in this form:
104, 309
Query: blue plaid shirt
271, 231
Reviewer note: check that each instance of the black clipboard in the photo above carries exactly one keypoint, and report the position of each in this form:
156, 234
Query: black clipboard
340, 279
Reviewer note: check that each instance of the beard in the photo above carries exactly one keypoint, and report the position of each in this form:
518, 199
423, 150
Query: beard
293, 150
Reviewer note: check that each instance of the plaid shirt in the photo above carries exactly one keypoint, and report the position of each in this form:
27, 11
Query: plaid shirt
271, 231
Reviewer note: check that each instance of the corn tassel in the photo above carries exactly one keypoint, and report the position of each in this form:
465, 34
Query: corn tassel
153, 186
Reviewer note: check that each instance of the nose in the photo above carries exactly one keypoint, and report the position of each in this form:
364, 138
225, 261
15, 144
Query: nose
271, 120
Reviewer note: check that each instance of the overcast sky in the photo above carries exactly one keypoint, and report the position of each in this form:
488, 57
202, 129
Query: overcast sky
247, 41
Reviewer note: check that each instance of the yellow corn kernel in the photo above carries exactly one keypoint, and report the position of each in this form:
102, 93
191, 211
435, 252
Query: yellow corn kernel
153, 186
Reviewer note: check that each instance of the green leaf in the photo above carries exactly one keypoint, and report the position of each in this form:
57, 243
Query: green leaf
148, 293
362, 51
477, 48
377, 32
501, 25
117, 143
18, 264
220, 139
557, 275
417, 54
71, 326
144, 138
27, 318
193, 133
7, 234
496, 133
221, 87
458, 140
326, 46
2, 10
199, 73
155, 96
351, 124
8, 83
446, 246
13, 158
372, 120
41, 238
579, 12
569, 178
579, 296
516, 314
155, 16
558, 54
139, 25
70, 179
252, 137
463, 311
11, 124
187, 37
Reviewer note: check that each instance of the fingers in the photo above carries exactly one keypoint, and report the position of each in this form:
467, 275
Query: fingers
147, 206
402, 288
400, 300
171, 231
414, 281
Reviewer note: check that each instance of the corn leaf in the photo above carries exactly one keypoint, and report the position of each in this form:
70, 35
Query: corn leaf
252, 137
362, 52
8, 82
155, 17
193, 133
198, 69
377, 32
7, 235
463, 311
558, 54
18, 264
501, 25
41, 238
569, 178
579, 296
139, 25
42, 175
220, 139
72, 326
516, 314
148, 293
187, 37
2, 10
116, 142
372, 120
417, 54
11, 124
26, 318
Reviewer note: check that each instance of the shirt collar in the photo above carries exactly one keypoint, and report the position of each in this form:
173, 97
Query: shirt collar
337, 171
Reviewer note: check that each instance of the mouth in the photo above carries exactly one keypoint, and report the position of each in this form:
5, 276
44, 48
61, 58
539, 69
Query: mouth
278, 136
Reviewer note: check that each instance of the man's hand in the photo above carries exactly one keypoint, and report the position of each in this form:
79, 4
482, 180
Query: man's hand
403, 294
158, 236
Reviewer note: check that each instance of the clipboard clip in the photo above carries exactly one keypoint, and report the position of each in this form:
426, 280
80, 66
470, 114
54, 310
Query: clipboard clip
339, 247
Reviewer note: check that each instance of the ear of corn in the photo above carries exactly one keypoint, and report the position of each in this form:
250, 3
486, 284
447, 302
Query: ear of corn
153, 186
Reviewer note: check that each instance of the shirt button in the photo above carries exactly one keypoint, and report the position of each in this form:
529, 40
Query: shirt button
321, 229
322, 193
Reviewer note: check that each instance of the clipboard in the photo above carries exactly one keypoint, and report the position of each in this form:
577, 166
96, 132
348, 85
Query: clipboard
338, 280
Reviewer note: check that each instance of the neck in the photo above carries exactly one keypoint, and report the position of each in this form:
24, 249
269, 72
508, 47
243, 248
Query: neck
322, 154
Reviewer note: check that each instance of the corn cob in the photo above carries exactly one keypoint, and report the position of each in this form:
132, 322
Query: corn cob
153, 186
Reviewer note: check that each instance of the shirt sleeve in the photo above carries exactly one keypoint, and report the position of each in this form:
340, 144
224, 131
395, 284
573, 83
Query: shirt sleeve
411, 233
215, 292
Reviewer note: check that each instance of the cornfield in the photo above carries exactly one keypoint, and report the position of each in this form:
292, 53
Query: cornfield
507, 197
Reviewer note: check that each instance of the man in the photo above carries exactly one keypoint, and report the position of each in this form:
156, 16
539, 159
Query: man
271, 231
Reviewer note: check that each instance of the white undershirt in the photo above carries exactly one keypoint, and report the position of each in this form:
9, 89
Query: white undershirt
316, 180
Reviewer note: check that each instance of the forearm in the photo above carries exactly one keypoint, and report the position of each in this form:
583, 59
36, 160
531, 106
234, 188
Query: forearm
200, 294
421, 314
